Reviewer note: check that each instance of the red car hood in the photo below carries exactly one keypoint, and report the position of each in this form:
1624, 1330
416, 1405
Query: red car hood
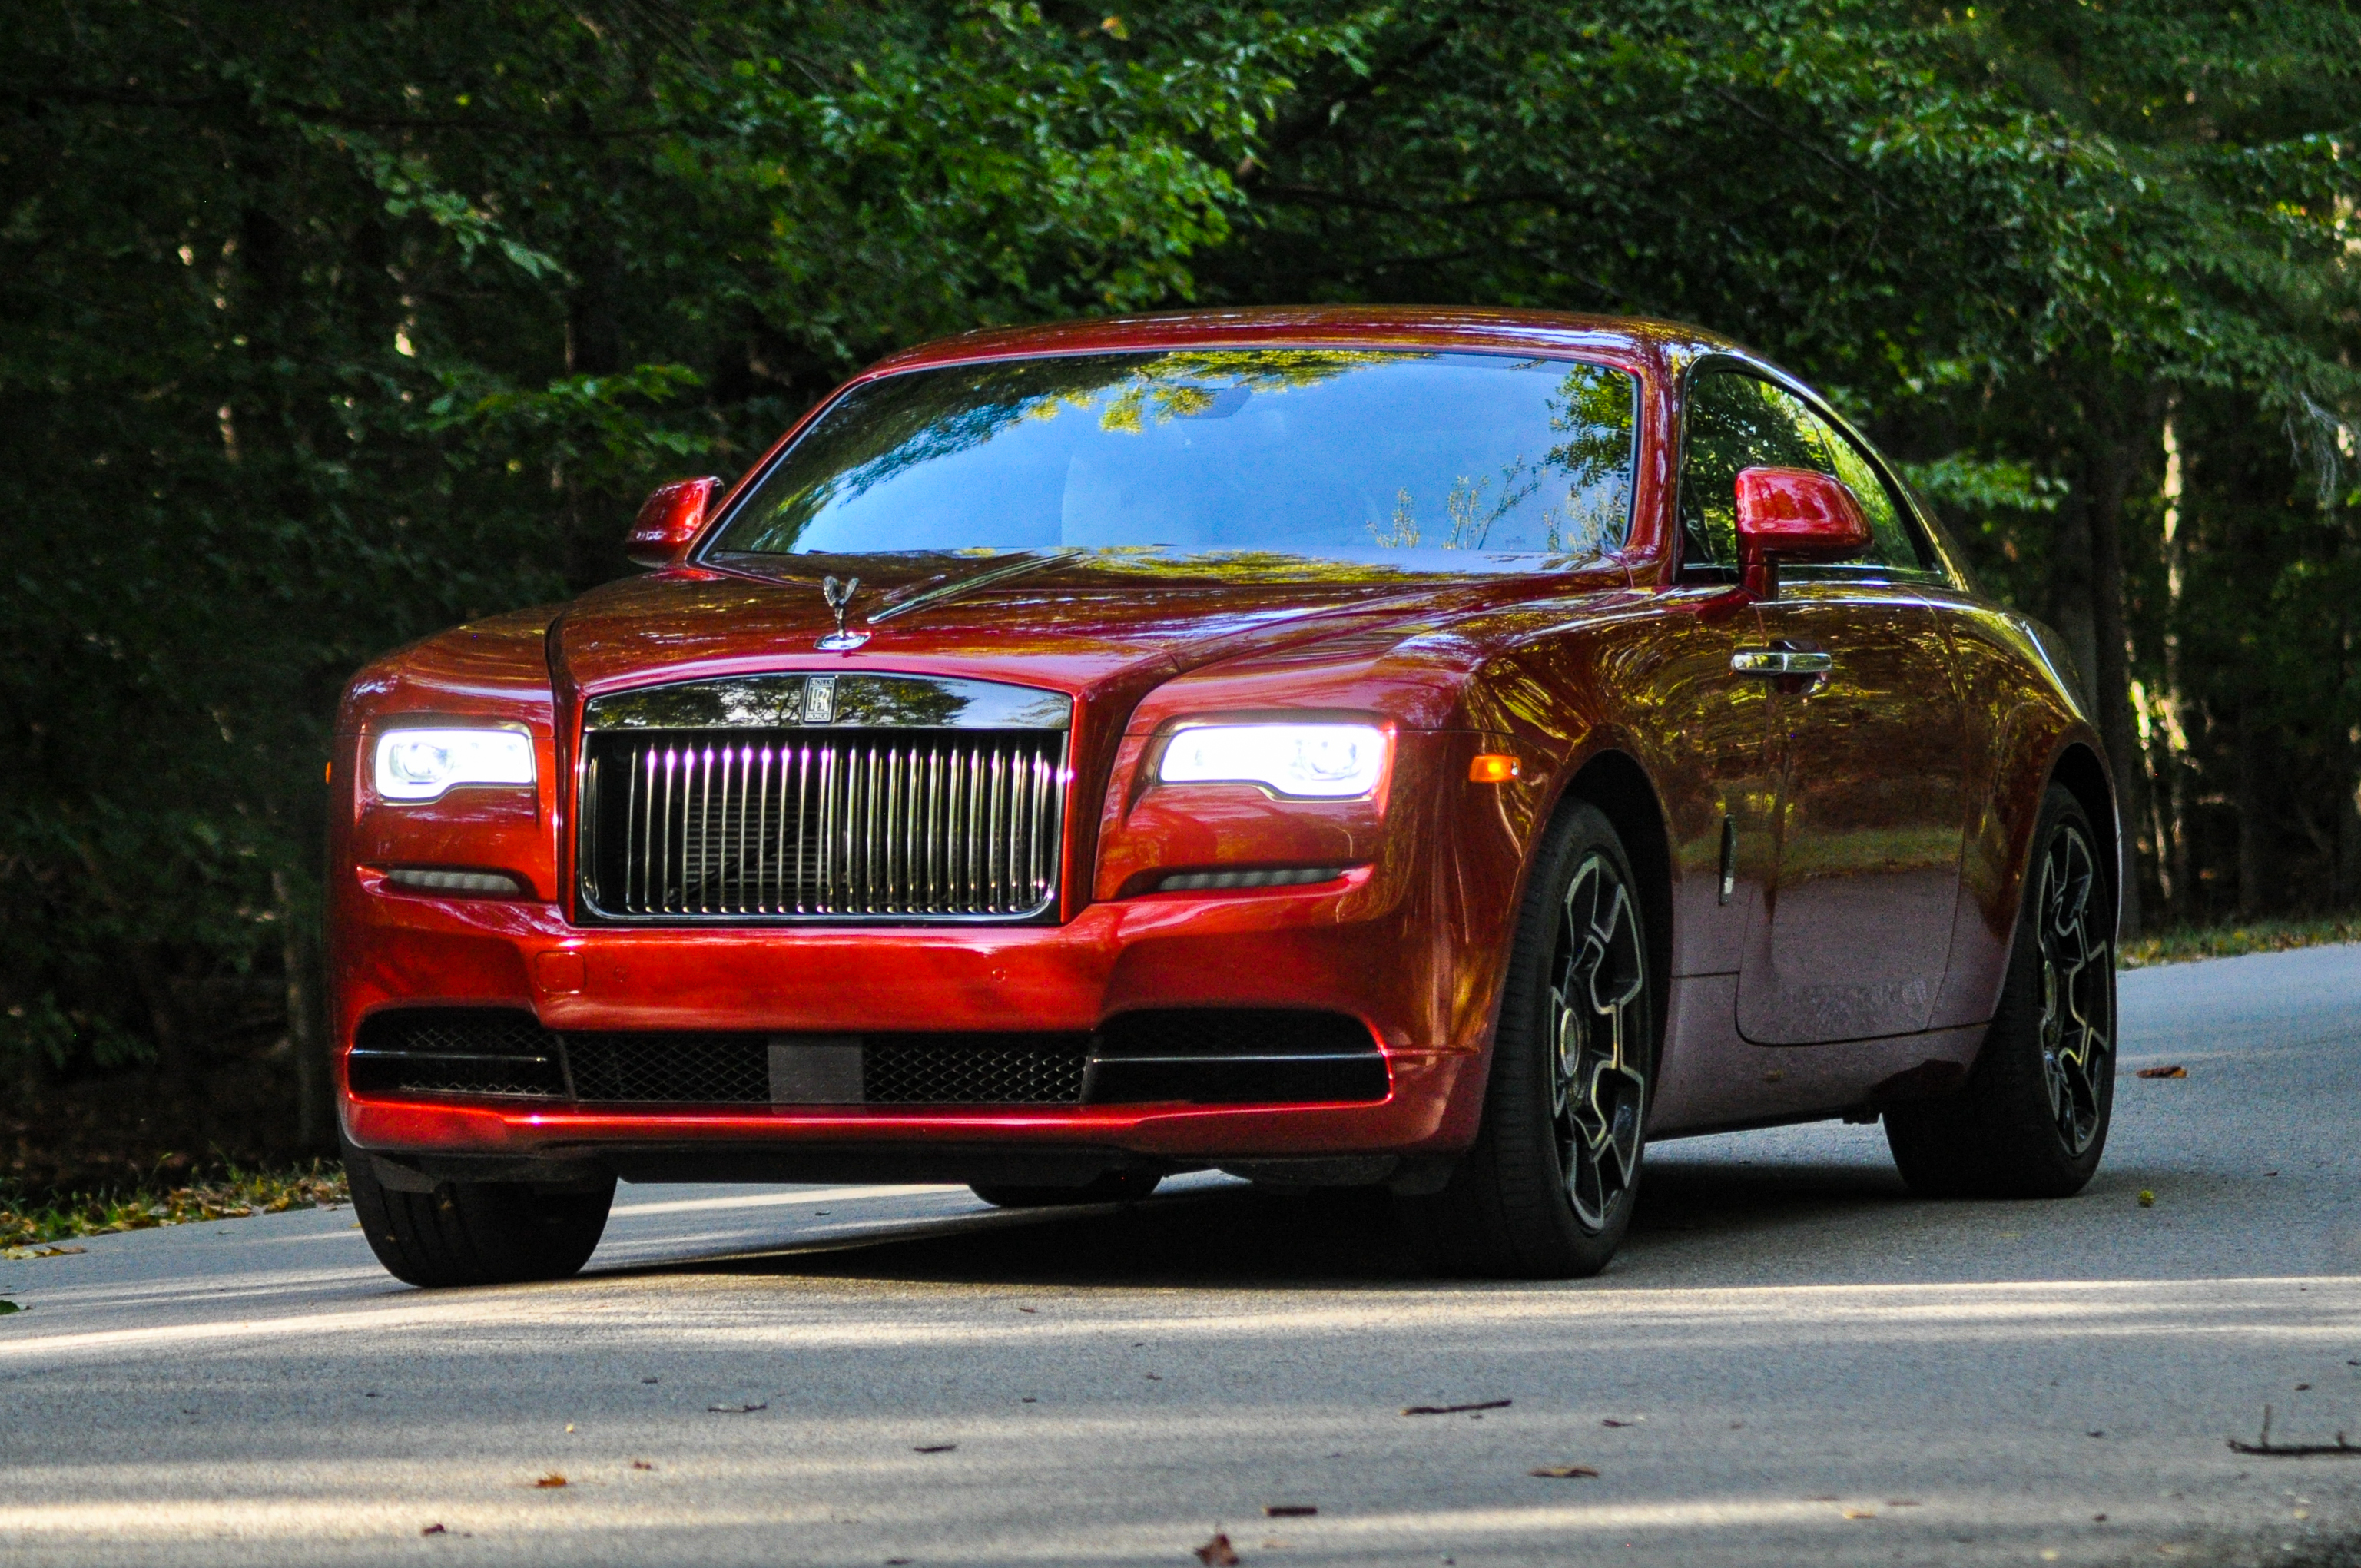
1082, 628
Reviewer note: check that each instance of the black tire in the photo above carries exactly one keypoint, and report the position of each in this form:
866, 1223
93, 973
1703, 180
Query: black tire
1547, 1191
2031, 1121
1110, 1187
477, 1232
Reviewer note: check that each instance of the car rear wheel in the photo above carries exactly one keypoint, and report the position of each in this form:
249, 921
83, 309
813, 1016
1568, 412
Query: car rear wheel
477, 1232
2032, 1120
1548, 1189
1112, 1187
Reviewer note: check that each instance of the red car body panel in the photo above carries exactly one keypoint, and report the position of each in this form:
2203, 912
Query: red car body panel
1853, 960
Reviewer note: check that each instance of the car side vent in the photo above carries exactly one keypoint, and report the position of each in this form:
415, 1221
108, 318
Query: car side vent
1214, 1056
456, 1051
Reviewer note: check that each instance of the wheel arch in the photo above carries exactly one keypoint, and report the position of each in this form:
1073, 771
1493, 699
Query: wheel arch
1618, 786
2084, 776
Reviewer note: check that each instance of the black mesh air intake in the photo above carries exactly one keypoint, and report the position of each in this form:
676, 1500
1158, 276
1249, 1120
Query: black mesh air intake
456, 1051
1188, 1055
670, 1068
973, 1070
1219, 1056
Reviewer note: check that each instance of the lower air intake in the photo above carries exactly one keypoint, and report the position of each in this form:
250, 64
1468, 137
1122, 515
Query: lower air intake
1186, 1056
456, 1051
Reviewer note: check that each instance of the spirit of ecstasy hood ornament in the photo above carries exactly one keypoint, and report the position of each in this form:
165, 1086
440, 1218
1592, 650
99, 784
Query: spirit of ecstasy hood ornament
838, 594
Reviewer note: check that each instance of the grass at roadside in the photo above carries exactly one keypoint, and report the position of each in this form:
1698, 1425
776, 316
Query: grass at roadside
26, 1225
2181, 945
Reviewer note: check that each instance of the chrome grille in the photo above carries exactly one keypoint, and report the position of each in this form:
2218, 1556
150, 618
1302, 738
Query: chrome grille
823, 823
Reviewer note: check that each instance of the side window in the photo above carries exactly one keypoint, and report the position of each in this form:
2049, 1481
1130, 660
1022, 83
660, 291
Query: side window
1736, 422
1896, 544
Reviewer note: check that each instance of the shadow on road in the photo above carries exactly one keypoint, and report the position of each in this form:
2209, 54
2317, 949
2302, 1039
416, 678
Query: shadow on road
1319, 1240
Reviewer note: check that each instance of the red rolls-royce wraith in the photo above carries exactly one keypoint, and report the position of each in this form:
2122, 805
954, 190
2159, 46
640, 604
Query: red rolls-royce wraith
1438, 748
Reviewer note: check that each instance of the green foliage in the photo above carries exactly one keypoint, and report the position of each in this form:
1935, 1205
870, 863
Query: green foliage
27, 1228
328, 325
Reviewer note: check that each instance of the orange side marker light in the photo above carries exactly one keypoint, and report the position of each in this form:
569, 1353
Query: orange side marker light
1493, 767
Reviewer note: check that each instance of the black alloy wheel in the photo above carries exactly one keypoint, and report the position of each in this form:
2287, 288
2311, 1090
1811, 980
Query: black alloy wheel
1548, 1189
2032, 1120
479, 1232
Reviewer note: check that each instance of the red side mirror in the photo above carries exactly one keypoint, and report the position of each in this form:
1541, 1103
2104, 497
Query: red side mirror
668, 524
1794, 514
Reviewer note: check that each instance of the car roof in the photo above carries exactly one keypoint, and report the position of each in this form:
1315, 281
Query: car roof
1665, 344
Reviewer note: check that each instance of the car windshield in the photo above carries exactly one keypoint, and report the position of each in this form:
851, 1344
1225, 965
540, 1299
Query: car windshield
1415, 459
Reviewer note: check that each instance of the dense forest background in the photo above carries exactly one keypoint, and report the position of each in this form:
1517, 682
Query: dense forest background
322, 327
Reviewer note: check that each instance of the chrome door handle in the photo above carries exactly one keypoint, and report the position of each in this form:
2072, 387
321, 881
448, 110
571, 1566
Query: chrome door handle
1780, 662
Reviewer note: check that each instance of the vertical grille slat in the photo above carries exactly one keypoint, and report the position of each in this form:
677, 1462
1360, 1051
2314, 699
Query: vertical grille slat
777, 824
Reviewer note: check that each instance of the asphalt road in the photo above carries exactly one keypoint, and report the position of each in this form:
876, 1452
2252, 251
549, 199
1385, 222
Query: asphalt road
1793, 1361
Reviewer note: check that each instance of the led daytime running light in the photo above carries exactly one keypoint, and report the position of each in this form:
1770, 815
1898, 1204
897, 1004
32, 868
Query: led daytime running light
1321, 761
421, 764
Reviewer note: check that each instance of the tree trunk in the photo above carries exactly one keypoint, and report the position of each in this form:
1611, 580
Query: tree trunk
2253, 849
2349, 818
303, 1032
2175, 829
2107, 474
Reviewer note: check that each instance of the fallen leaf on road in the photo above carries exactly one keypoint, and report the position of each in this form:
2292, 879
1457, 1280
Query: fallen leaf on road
935, 1448
737, 1410
2176, 1070
1218, 1552
1456, 1410
1861, 1513
1028, 1308
552, 1479
2146, 1198
2098, 1518
57, 1251
2095, 1434
642, 1465
1288, 1510
1901, 1502
1611, 1421
435, 1529
9, 1307
1564, 1473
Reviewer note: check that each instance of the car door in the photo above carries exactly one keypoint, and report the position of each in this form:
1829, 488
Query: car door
1852, 933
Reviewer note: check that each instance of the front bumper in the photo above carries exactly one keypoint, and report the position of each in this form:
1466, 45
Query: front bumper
1352, 946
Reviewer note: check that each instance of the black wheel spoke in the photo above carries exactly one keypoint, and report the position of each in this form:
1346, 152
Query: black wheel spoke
2077, 1033
1598, 1082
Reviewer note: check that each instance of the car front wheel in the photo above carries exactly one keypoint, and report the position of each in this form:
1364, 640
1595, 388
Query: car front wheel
1548, 1189
477, 1232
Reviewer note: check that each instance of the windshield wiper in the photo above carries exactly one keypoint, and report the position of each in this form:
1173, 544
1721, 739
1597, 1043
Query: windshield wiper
984, 578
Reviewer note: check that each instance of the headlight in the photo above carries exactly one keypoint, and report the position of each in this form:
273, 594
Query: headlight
420, 764
1323, 760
